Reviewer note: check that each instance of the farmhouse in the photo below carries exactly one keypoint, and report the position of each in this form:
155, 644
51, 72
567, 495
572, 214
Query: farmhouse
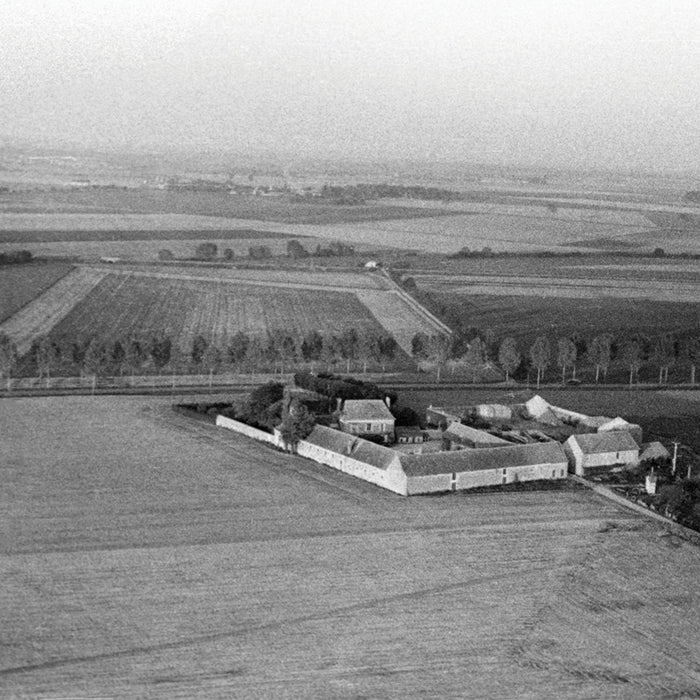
458, 437
594, 453
367, 417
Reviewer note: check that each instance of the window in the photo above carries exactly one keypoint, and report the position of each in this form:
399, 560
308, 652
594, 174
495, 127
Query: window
369, 427
554, 473
504, 472
503, 480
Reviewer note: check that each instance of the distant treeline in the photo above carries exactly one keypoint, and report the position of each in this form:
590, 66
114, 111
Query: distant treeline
487, 252
16, 257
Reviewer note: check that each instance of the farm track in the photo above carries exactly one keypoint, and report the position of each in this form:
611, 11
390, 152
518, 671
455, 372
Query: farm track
48, 309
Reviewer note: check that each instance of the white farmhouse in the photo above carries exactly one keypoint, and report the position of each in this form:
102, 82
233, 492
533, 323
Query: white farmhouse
367, 417
592, 453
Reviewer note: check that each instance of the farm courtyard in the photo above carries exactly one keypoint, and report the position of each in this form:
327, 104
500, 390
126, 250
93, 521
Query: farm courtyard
146, 555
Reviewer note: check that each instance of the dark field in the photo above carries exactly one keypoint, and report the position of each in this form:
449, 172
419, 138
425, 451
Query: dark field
526, 317
146, 556
47, 236
19, 284
281, 209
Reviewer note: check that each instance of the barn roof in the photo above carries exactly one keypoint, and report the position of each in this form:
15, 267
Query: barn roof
365, 409
486, 458
352, 446
597, 443
654, 450
459, 431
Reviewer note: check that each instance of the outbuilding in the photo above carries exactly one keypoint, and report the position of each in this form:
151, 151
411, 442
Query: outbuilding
459, 437
595, 453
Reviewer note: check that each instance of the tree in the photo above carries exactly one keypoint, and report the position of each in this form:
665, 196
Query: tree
134, 355
540, 354
255, 351
229, 254
566, 355
438, 351
311, 346
211, 359
475, 356
206, 251
509, 356
117, 353
160, 350
632, 357
296, 250
165, 255
599, 353
349, 344
420, 346
237, 348
8, 357
692, 352
388, 348
368, 349
664, 355
94, 360
45, 353
199, 347
332, 349
297, 423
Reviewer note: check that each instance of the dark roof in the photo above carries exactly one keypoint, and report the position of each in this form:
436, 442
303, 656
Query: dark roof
597, 443
365, 409
464, 432
352, 446
486, 458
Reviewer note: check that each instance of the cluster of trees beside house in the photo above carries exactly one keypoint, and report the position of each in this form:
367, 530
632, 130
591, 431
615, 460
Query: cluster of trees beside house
278, 350
564, 355
361, 193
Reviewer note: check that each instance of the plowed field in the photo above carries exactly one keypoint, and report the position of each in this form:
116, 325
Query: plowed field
145, 556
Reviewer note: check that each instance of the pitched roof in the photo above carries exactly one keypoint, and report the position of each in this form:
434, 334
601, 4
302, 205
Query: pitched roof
597, 443
486, 458
365, 409
654, 450
352, 446
464, 432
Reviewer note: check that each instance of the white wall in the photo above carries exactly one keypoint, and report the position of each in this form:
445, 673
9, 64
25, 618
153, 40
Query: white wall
392, 478
493, 477
249, 431
434, 483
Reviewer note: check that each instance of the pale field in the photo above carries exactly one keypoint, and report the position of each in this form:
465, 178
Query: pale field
144, 555
561, 287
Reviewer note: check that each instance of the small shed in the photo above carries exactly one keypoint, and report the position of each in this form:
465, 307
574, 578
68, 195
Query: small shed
595, 453
621, 424
654, 451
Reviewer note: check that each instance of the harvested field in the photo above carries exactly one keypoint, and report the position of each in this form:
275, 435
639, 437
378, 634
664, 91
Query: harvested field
175, 560
19, 284
46, 310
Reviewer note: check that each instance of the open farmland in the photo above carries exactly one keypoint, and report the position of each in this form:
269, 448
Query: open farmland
21, 283
112, 302
46, 310
182, 308
176, 560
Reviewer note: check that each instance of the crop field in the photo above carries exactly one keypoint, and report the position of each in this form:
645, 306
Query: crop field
124, 304
21, 283
47, 309
114, 302
116, 201
174, 559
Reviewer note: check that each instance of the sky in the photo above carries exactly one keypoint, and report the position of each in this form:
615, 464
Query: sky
612, 84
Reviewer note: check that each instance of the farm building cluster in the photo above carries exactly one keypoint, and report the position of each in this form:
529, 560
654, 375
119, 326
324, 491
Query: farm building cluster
468, 447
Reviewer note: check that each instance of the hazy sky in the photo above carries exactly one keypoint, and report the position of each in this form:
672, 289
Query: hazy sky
592, 83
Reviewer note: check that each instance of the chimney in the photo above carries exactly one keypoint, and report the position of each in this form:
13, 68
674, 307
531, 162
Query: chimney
387, 401
338, 404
